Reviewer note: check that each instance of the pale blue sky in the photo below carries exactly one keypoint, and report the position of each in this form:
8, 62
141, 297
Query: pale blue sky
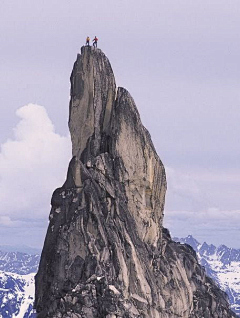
180, 62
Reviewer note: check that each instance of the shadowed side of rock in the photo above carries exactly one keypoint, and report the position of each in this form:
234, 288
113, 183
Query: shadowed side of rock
106, 253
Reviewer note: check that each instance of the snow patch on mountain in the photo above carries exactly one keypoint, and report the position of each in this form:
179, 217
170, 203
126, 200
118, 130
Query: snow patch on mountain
16, 295
26, 295
20, 263
222, 264
17, 271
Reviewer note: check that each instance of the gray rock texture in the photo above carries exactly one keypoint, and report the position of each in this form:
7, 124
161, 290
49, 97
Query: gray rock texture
106, 253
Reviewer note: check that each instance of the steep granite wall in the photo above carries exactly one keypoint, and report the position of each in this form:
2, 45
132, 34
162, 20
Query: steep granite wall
106, 253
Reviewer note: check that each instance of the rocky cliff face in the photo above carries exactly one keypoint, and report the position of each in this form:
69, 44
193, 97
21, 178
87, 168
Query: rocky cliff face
106, 253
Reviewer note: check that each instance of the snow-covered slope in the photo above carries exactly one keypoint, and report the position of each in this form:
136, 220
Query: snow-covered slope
17, 271
20, 263
222, 264
16, 295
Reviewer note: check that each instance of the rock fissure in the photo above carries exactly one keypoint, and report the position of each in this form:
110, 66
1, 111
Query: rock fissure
106, 253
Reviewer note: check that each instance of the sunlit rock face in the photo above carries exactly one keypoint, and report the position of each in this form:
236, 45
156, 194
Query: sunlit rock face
93, 91
102, 120
106, 253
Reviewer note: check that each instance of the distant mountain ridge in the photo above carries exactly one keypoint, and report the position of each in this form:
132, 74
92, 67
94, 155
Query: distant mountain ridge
19, 263
222, 264
17, 271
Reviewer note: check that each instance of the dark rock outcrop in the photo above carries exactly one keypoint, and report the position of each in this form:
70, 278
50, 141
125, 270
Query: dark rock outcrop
106, 253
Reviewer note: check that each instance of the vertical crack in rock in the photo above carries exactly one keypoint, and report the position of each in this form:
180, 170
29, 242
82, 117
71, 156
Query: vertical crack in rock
106, 253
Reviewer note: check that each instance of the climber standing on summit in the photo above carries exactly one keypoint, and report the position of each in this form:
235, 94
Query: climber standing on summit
95, 41
87, 41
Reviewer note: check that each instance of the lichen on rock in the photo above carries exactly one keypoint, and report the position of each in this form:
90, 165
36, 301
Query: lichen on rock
106, 253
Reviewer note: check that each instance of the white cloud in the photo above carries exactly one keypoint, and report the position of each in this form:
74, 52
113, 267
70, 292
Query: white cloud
199, 189
184, 191
204, 204
181, 183
32, 164
210, 215
5, 220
